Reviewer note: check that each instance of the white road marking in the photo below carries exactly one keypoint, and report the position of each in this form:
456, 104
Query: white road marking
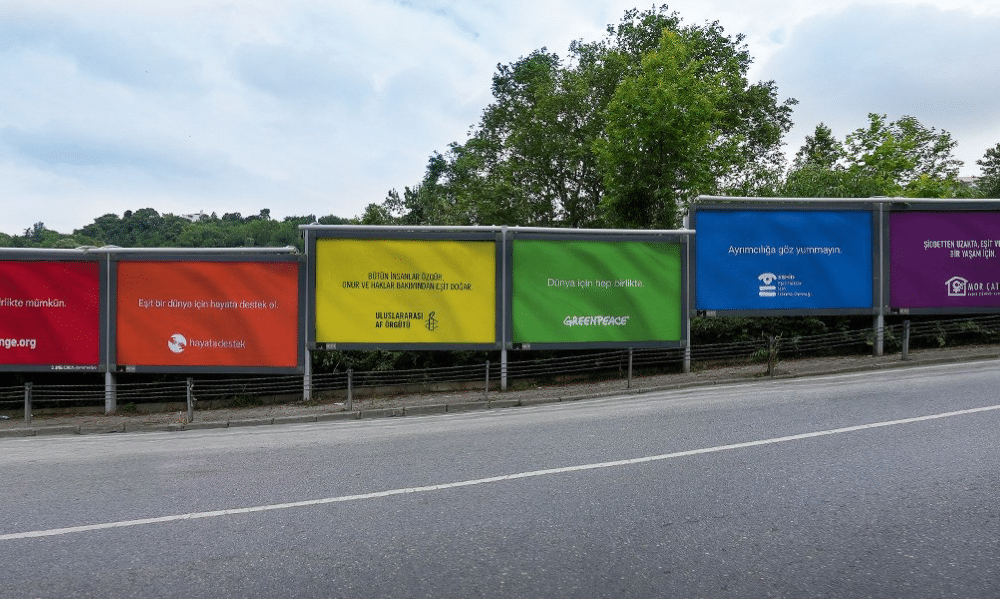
472, 482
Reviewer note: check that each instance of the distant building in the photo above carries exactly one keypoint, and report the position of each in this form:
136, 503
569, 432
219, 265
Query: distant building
195, 217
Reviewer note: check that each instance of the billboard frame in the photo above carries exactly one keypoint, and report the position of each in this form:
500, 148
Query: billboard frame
681, 237
931, 205
315, 232
734, 204
113, 256
66, 255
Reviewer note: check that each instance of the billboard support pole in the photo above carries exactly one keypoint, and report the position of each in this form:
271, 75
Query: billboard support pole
689, 302
504, 296
503, 370
880, 318
307, 376
110, 392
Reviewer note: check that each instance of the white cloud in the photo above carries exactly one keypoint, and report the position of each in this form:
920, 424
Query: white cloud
322, 107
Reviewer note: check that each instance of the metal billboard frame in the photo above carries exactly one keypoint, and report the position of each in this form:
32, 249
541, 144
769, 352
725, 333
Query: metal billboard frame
65, 255
115, 255
680, 237
733, 204
315, 232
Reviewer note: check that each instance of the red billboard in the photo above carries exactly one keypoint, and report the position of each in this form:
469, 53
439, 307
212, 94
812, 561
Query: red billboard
208, 314
50, 313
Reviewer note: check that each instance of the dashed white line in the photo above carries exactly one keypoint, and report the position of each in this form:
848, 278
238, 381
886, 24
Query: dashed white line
486, 480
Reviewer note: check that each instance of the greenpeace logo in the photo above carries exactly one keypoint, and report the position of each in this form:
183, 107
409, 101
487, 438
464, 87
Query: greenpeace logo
8, 343
177, 343
602, 321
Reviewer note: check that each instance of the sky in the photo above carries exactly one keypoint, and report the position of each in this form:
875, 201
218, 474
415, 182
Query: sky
321, 107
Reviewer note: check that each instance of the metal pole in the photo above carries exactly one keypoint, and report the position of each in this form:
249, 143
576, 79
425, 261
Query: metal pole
505, 316
503, 370
307, 377
27, 403
879, 333
629, 368
110, 393
486, 390
906, 340
190, 399
350, 391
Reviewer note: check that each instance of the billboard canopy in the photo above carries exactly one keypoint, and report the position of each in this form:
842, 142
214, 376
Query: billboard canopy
51, 310
404, 287
785, 256
597, 288
219, 310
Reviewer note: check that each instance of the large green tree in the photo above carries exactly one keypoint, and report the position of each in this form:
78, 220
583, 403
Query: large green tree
533, 158
884, 158
989, 180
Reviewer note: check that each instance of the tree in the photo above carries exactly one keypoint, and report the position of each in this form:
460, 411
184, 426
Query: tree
820, 150
899, 152
899, 158
533, 157
989, 181
661, 137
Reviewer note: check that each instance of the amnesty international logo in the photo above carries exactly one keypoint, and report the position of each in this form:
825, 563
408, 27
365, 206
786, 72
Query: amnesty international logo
431, 323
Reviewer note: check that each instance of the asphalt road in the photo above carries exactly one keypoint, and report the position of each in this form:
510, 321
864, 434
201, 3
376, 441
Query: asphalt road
874, 484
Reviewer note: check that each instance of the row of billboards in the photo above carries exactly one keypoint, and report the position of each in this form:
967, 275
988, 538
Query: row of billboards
544, 289
491, 288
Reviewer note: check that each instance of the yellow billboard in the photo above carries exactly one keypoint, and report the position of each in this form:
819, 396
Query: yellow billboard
405, 291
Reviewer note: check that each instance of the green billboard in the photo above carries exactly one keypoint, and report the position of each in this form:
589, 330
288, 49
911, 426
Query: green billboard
596, 292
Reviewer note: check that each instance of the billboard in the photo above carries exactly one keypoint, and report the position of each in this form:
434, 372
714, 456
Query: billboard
406, 291
207, 314
595, 292
50, 314
944, 259
784, 260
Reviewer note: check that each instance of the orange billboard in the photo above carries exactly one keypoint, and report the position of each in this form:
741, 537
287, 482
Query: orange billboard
207, 313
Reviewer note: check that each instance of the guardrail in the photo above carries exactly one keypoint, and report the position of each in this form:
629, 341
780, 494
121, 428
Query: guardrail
603, 365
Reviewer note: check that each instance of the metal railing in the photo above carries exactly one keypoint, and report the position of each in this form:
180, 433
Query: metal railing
583, 366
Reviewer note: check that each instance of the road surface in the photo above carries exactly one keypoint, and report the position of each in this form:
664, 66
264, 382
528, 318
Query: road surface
875, 484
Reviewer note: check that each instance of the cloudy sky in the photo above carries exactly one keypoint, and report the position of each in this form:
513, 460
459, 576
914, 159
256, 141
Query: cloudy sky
321, 107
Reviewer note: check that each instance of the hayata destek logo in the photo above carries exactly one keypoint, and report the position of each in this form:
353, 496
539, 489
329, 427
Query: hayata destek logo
178, 343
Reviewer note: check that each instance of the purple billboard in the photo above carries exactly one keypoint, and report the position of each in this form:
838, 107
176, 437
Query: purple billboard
944, 260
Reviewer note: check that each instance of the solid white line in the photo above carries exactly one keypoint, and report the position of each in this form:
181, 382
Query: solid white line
471, 482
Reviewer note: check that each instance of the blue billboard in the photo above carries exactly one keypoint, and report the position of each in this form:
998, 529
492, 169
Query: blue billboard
784, 260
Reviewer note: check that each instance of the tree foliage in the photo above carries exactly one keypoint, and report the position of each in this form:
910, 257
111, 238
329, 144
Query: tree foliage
901, 158
146, 228
553, 147
989, 180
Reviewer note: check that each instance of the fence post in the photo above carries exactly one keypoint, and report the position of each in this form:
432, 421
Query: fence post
486, 390
350, 391
772, 354
190, 399
629, 386
906, 340
27, 403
